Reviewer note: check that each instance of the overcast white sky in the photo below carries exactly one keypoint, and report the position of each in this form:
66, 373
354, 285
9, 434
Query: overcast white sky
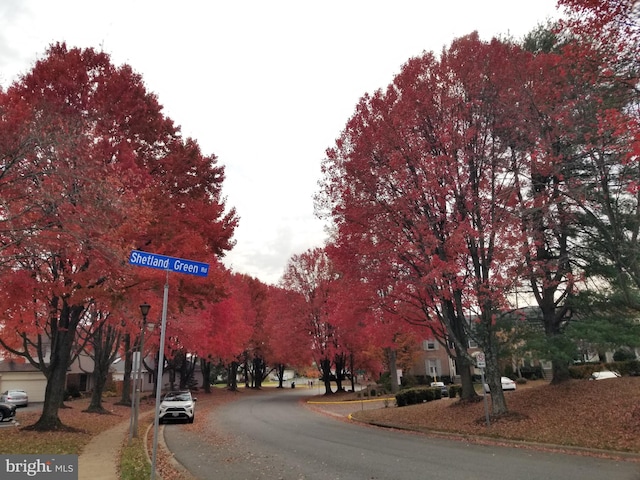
267, 86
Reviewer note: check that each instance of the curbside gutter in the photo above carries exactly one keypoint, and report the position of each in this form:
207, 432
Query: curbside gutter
503, 442
463, 437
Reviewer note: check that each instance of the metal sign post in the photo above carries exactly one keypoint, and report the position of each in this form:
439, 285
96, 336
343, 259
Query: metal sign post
169, 264
482, 364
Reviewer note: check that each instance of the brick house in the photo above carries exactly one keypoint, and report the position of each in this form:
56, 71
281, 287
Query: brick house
434, 361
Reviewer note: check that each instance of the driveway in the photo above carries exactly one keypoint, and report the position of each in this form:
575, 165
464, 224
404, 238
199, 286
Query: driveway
274, 436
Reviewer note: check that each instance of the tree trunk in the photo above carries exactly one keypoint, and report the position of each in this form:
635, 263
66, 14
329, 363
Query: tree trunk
560, 346
493, 379
392, 357
172, 378
247, 373
464, 366
186, 371
280, 374
340, 361
125, 399
155, 374
353, 375
53, 399
456, 324
205, 366
99, 380
560, 370
325, 370
232, 381
64, 333
105, 343
488, 342
259, 369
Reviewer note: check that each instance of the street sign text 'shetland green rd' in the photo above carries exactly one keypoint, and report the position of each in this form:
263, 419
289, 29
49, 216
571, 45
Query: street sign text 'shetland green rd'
162, 262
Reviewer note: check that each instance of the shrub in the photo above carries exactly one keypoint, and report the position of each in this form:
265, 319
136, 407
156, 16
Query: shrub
413, 396
72, 391
625, 368
454, 390
408, 381
623, 355
532, 372
385, 381
584, 371
508, 371
446, 379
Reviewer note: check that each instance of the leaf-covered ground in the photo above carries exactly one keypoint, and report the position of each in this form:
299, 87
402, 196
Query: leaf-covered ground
596, 415
86, 425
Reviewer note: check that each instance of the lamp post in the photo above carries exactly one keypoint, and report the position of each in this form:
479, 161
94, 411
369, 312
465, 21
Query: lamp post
138, 382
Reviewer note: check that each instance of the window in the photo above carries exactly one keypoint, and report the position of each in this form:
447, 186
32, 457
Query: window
433, 368
429, 345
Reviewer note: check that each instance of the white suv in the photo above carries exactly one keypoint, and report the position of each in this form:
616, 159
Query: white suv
177, 406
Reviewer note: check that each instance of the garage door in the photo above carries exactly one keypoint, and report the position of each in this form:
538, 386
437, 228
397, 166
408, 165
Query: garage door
34, 383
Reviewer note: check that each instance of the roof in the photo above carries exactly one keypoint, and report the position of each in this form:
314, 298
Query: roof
13, 366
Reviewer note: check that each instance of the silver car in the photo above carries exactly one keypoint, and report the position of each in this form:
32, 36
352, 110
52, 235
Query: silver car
19, 398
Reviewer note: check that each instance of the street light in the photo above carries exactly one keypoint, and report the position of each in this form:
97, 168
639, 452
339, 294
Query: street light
137, 391
144, 309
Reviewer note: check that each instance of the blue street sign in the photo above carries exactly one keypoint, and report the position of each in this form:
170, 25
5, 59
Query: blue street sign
162, 262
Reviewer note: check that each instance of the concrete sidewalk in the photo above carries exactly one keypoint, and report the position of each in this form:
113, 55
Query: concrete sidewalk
101, 457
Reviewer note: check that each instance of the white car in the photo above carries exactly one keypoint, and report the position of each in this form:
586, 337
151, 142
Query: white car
507, 384
444, 391
603, 375
177, 406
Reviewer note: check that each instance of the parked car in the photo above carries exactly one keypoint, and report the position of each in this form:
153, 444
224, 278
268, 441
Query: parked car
7, 412
19, 398
507, 384
443, 388
177, 406
603, 375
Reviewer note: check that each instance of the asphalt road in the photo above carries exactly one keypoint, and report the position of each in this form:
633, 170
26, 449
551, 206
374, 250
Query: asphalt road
273, 436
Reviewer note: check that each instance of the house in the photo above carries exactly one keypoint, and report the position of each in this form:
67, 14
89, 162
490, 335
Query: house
23, 376
434, 361
147, 384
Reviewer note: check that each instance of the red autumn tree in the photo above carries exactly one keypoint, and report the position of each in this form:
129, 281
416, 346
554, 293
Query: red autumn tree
95, 170
312, 276
290, 347
331, 316
382, 329
252, 299
230, 327
419, 189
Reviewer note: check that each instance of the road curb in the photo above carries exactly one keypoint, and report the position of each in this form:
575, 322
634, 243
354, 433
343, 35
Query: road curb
164, 451
486, 440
